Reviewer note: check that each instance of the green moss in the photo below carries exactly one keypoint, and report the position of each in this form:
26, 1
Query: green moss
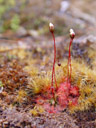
15, 22
12, 20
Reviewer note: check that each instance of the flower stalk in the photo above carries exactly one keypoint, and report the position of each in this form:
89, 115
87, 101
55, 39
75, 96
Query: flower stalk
51, 28
72, 35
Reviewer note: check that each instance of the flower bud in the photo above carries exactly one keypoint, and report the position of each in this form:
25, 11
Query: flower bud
59, 64
51, 27
72, 33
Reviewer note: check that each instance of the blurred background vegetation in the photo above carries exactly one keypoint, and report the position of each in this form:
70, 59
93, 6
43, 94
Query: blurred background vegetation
36, 15
29, 14
10, 14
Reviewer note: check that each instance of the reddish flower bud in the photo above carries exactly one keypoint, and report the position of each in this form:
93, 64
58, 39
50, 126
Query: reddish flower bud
72, 33
51, 27
59, 64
